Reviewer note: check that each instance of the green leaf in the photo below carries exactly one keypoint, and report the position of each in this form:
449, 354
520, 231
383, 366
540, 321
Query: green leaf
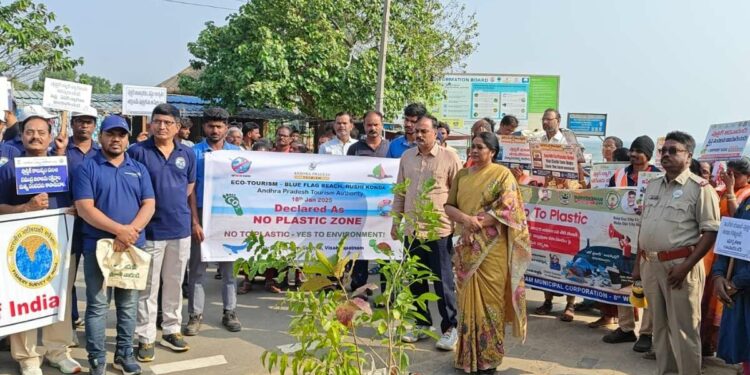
315, 283
283, 363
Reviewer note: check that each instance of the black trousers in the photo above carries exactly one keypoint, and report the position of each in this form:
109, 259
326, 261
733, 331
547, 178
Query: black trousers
439, 260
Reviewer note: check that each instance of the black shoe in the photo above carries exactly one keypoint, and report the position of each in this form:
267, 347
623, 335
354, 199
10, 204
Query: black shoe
643, 344
4, 344
230, 321
618, 336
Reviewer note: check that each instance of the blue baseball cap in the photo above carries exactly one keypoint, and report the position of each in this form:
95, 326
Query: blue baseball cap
114, 122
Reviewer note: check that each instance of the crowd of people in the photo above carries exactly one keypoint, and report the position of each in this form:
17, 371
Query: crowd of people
150, 195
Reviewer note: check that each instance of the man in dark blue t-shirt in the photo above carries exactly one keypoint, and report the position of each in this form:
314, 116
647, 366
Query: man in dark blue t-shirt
115, 198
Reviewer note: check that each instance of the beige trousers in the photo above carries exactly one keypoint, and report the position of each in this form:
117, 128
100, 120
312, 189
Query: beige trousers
626, 320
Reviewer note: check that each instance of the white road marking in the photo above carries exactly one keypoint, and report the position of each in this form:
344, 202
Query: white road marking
190, 364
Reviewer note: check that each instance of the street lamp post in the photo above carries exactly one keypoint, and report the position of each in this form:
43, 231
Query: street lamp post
381, 65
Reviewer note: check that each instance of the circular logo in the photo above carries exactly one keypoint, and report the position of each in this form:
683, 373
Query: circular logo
33, 256
612, 200
240, 165
180, 162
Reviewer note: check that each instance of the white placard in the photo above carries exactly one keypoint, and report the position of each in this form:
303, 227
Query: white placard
141, 100
4, 94
66, 95
601, 173
733, 239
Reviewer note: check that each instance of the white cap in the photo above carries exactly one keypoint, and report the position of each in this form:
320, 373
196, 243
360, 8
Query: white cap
88, 111
35, 110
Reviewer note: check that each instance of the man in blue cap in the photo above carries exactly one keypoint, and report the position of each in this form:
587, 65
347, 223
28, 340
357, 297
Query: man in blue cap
36, 136
115, 198
172, 168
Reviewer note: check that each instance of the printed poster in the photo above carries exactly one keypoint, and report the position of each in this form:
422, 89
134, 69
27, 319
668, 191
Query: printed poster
601, 173
47, 174
733, 239
725, 141
644, 178
584, 242
516, 152
35, 269
304, 198
554, 160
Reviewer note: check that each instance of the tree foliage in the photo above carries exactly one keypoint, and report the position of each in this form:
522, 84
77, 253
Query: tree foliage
321, 56
98, 84
30, 44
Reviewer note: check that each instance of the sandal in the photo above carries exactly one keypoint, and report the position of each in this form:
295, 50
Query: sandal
544, 309
568, 313
245, 287
603, 322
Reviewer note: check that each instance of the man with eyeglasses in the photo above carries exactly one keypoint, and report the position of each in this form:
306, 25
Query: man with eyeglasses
678, 227
283, 141
172, 168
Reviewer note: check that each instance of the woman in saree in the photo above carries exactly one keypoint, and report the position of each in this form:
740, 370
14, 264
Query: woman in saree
737, 190
490, 257
732, 287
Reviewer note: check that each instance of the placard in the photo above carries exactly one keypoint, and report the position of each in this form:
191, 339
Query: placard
515, 152
733, 239
554, 160
644, 178
66, 95
48, 174
141, 100
588, 123
583, 242
35, 269
5, 94
601, 174
303, 198
725, 141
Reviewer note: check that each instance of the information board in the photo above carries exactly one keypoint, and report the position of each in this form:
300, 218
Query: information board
588, 123
469, 97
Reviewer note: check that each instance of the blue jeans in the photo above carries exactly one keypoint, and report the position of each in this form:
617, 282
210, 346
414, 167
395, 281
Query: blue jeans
97, 307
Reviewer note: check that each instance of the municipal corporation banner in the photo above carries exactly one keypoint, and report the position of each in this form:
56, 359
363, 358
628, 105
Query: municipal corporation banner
33, 269
584, 242
304, 198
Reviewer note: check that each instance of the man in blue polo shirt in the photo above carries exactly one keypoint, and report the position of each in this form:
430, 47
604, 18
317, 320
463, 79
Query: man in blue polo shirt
412, 112
115, 198
172, 168
36, 136
215, 130
81, 145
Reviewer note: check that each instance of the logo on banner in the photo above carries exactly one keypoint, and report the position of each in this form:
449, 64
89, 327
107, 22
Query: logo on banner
33, 256
312, 166
613, 200
379, 173
241, 165
180, 162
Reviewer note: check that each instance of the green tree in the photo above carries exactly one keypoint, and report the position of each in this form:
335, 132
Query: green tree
321, 56
30, 44
65, 75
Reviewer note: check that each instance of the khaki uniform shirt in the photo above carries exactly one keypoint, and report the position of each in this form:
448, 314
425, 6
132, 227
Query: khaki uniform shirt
676, 212
440, 164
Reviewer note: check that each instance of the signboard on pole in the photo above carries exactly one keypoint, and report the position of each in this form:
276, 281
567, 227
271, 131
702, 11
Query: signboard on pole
66, 95
733, 239
588, 123
469, 97
141, 100
725, 141
35, 269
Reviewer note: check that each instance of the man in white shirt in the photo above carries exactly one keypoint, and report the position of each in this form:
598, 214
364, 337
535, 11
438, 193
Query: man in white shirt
340, 145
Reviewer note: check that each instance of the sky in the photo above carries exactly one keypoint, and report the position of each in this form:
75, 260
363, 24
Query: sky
652, 66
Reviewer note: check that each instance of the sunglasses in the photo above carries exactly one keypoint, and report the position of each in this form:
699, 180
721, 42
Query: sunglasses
671, 150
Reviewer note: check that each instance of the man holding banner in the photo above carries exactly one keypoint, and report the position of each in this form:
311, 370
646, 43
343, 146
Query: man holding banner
215, 129
641, 151
678, 227
171, 166
430, 161
36, 135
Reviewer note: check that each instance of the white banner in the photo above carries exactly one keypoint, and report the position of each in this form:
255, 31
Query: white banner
733, 239
34, 269
304, 198
141, 100
65, 95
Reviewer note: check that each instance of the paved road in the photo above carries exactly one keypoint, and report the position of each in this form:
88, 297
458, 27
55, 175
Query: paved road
553, 347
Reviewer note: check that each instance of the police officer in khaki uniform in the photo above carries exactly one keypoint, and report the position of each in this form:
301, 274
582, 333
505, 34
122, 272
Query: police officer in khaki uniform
678, 227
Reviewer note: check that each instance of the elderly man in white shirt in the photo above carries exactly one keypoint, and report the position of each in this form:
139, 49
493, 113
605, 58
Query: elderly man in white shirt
340, 145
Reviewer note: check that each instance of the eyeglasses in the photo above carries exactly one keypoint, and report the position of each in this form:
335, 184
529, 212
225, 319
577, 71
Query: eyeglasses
671, 151
163, 122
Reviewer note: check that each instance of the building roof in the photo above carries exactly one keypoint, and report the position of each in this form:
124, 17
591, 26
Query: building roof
189, 106
172, 84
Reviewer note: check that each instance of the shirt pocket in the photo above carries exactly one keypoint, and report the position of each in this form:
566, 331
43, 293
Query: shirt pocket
677, 212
